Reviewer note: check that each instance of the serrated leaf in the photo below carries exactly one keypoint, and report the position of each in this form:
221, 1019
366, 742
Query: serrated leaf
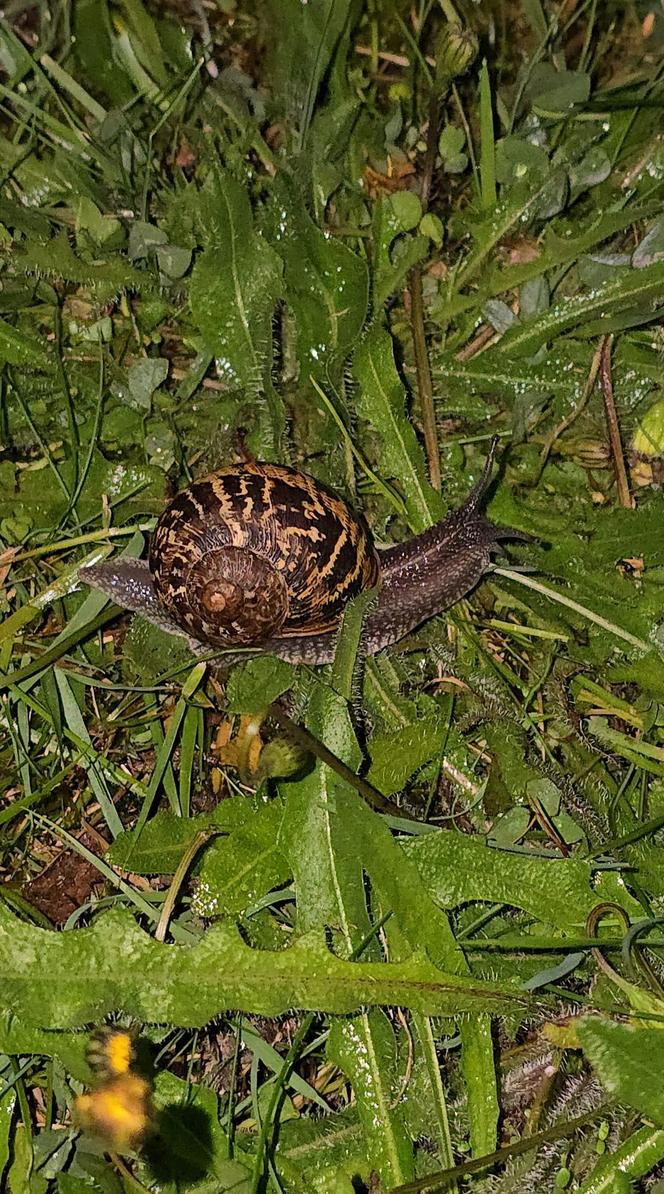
326, 287
234, 288
61, 980
382, 402
58, 260
397, 755
237, 870
456, 868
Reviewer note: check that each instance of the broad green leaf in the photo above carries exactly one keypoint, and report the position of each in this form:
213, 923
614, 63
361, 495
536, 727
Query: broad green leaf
629, 1061
253, 686
300, 56
131, 488
397, 755
237, 870
456, 868
436, 1120
69, 1047
144, 39
193, 1145
395, 252
327, 863
365, 1049
552, 91
326, 287
144, 377
101, 229
21, 1178
479, 1071
315, 1152
63, 980
234, 288
381, 400
158, 849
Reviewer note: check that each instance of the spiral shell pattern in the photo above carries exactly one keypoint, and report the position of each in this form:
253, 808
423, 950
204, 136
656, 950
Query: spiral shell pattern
257, 550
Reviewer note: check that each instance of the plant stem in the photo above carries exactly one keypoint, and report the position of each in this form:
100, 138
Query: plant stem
622, 485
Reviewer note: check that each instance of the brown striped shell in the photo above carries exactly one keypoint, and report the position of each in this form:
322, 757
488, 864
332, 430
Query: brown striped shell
258, 550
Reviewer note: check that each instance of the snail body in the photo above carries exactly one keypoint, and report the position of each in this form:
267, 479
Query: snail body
263, 556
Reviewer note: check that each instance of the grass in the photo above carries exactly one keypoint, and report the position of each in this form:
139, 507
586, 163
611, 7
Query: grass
392, 924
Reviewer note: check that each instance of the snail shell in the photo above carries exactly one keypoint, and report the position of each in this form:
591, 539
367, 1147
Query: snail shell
262, 556
257, 551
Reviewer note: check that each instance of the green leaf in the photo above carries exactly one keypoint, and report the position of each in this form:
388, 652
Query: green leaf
395, 253
7, 1108
397, 755
93, 46
239, 869
326, 287
557, 248
320, 1153
639, 292
382, 402
192, 1142
105, 278
432, 226
456, 868
18, 349
451, 142
554, 92
144, 377
636, 751
517, 158
131, 488
632, 1159
235, 285
365, 1049
492, 372
629, 1061
299, 58
253, 686
62, 980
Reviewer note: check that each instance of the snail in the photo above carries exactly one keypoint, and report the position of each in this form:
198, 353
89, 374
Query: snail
263, 556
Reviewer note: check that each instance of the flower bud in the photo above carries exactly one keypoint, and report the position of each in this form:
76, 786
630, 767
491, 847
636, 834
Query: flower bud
455, 50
